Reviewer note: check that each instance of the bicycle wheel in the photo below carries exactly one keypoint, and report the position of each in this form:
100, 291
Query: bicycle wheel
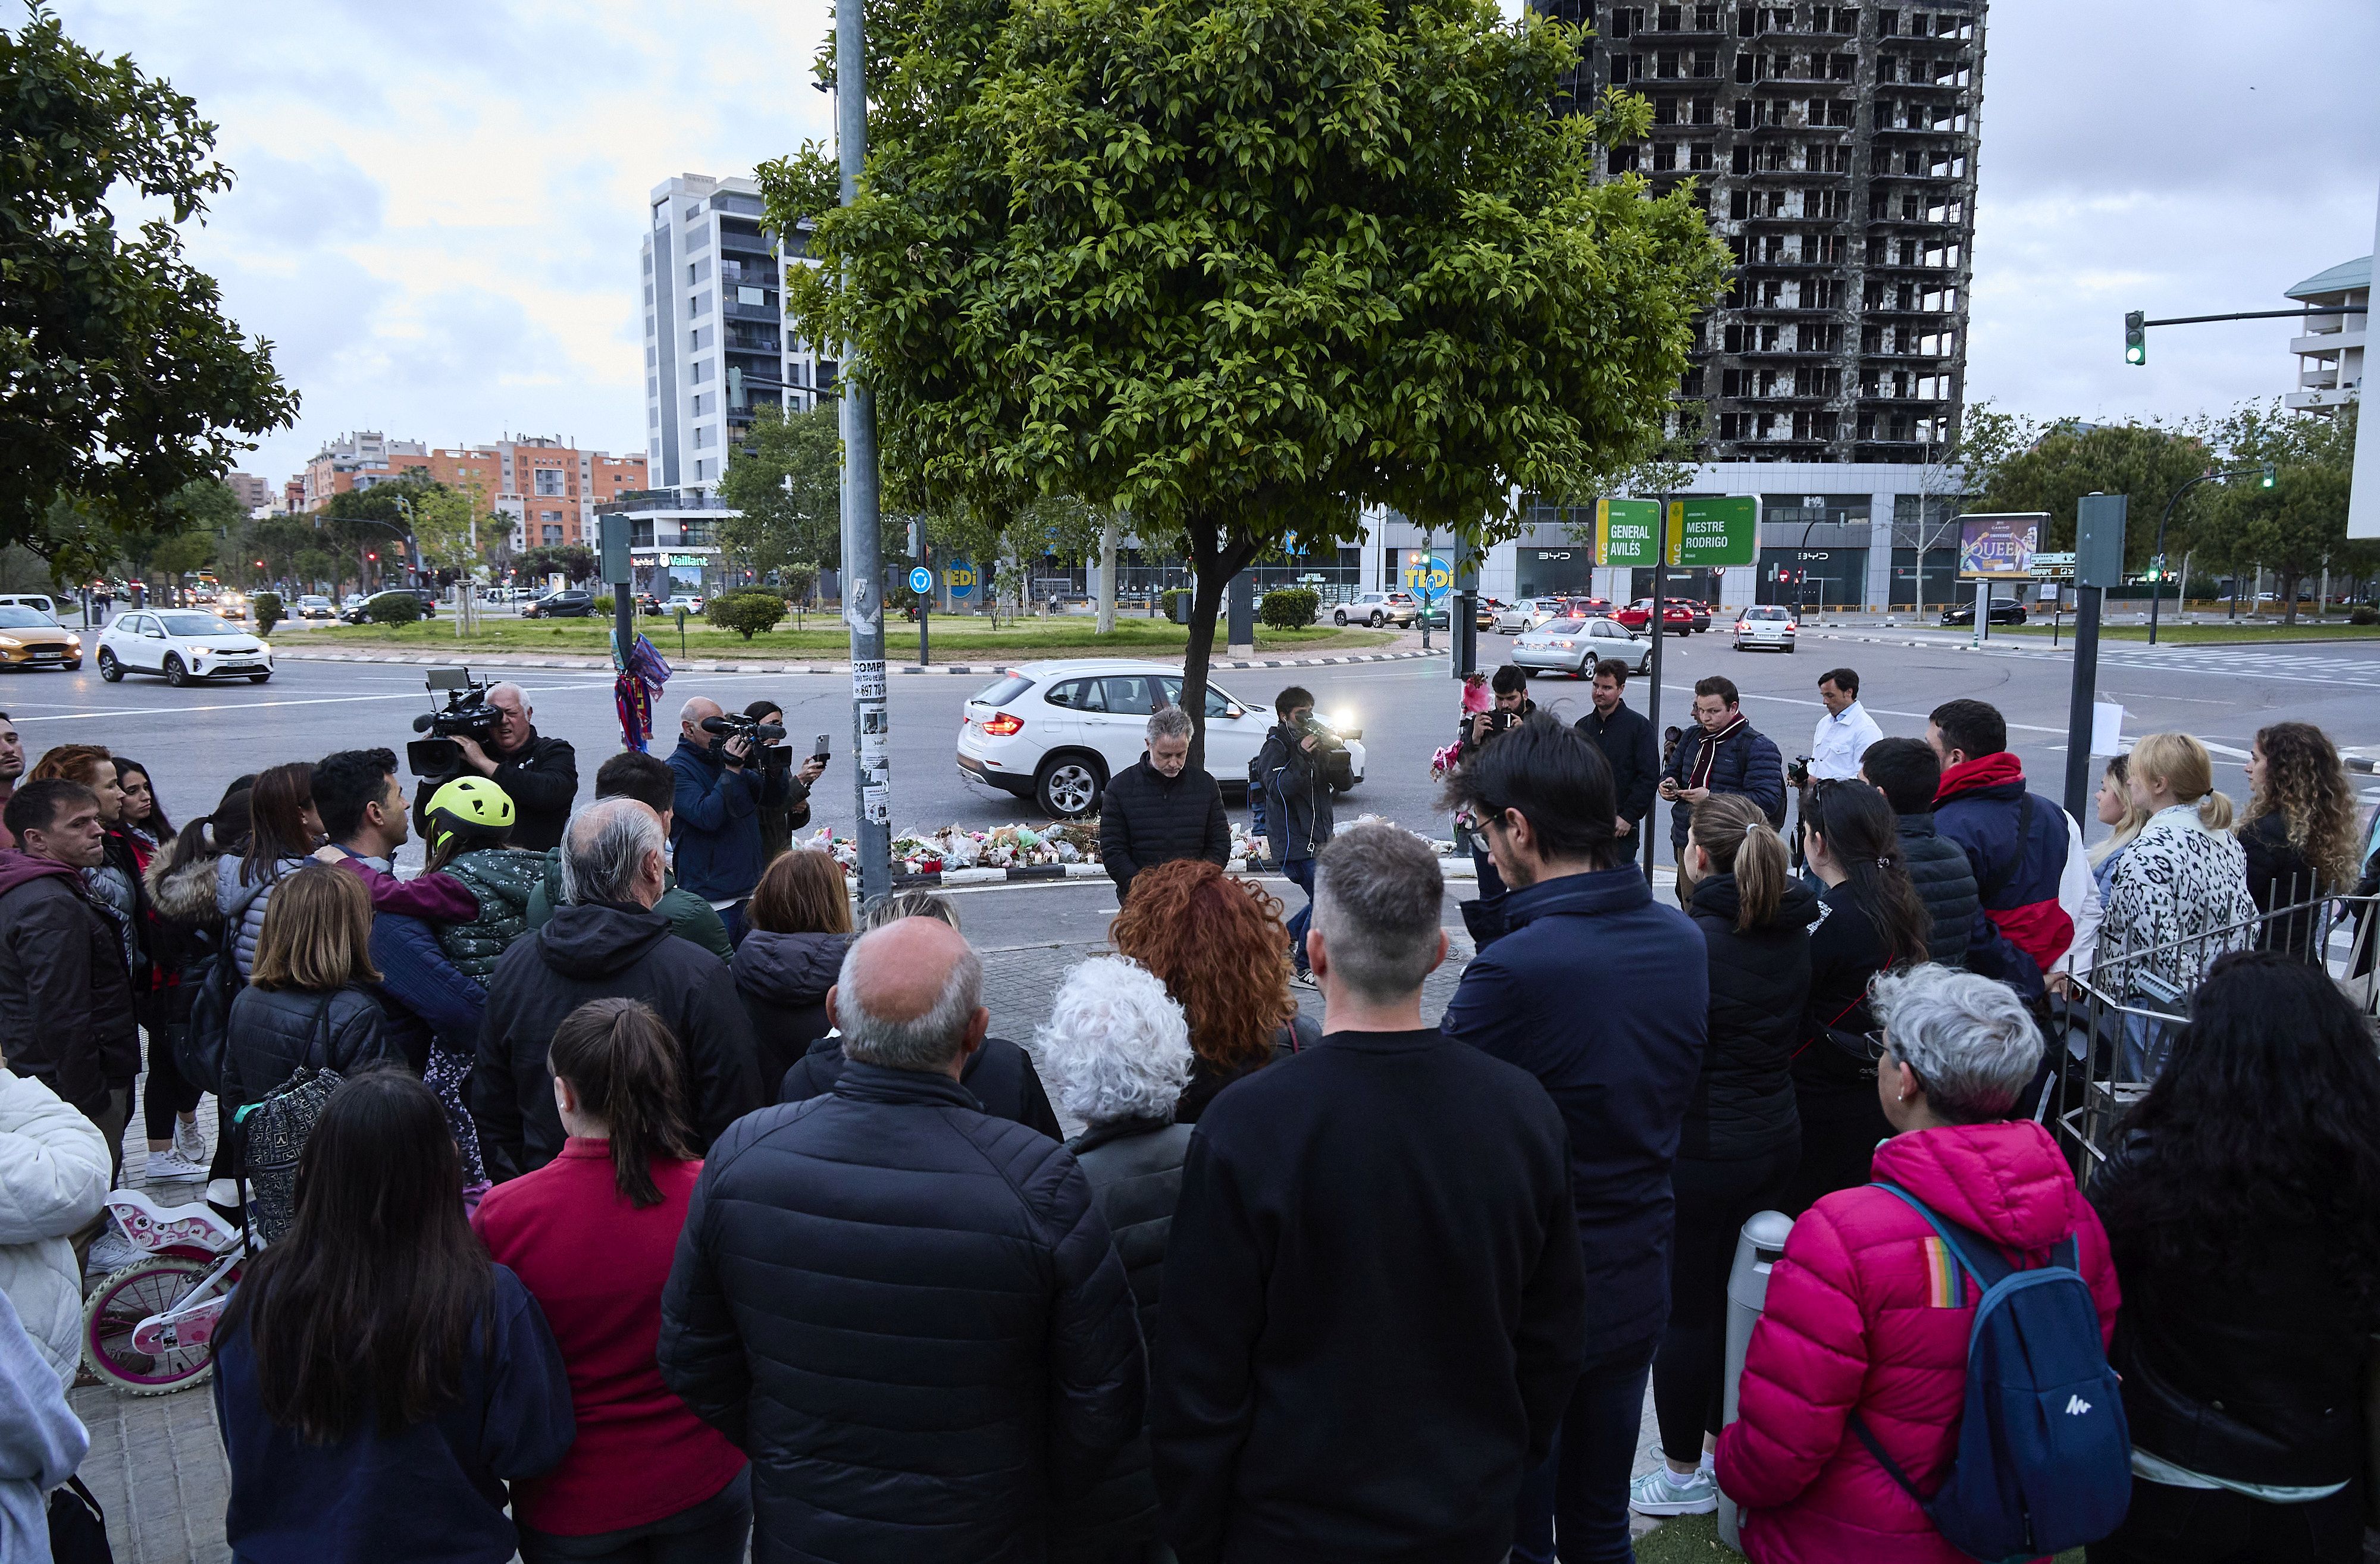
121, 1302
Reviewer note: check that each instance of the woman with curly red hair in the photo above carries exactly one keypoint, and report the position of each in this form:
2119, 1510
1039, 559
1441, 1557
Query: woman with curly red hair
1219, 946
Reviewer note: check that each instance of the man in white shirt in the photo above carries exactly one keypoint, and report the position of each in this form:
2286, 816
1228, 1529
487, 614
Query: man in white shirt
1845, 732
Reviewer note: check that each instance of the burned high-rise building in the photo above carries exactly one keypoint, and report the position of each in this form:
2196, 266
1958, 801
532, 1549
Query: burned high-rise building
1834, 149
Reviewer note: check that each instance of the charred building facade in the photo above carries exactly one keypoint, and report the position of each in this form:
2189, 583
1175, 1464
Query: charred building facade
1833, 147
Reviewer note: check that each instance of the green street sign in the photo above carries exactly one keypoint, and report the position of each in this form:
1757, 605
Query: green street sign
1626, 532
1717, 531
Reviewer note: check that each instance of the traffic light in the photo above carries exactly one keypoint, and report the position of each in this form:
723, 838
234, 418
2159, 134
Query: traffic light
2268, 478
2136, 337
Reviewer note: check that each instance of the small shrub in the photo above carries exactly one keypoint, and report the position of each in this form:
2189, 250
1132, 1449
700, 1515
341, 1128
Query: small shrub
394, 608
748, 612
1176, 601
2364, 615
604, 605
1289, 608
267, 608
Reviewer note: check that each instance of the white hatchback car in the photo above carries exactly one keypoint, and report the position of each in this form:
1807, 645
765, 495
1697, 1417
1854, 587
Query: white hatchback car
1764, 625
1575, 645
182, 643
1055, 732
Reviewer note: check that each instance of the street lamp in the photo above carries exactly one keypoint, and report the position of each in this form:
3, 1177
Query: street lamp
2265, 477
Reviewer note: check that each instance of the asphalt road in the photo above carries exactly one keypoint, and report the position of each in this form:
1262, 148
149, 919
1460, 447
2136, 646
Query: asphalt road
197, 738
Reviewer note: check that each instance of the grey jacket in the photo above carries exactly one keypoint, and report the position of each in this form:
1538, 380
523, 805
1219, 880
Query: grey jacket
242, 904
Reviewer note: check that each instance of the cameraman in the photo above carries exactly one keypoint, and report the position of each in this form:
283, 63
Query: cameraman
723, 780
539, 775
1485, 918
1293, 773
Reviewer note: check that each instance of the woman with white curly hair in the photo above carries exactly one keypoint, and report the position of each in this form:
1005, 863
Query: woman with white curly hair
1116, 1049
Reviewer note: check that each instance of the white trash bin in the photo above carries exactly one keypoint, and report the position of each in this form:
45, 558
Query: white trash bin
1756, 1252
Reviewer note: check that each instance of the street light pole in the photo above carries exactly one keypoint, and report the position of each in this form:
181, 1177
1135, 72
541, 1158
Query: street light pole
863, 584
2156, 588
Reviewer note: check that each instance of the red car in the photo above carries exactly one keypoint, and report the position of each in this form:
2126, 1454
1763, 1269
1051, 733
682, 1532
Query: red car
1677, 615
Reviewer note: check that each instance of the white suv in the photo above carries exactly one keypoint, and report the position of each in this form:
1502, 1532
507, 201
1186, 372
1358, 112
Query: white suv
1764, 625
1377, 609
1056, 731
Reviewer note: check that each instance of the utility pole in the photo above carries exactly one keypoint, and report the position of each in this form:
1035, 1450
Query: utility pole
1656, 622
863, 575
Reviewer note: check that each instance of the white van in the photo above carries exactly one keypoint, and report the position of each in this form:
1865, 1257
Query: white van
40, 601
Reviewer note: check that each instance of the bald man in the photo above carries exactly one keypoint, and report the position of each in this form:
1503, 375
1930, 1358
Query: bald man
908, 1313
539, 775
722, 782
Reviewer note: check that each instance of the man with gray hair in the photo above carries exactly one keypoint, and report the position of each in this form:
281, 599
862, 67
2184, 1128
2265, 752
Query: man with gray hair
1159, 810
606, 942
1381, 1226
908, 1313
538, 774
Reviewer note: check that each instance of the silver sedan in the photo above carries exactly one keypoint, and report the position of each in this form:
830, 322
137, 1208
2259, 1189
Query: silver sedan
1575, 645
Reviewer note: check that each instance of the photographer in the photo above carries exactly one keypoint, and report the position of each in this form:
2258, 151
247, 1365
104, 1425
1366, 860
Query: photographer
538, 774
1293, 773
723, 781
1485, 918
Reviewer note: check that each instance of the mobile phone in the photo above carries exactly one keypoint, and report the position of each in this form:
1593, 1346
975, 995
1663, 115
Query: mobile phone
819, 754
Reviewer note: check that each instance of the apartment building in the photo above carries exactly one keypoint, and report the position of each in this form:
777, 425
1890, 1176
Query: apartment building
252, 492
2330, 351
547, 485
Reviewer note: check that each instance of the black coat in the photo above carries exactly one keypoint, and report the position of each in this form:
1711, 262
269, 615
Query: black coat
591, 952
2281, 876
2257, 1375
1208, 1078
1759, 986
782, 980
1946, 883
66, 995
1134, 1166
999, 1076
543, 780
910, 1315
1146, 818
1626, 739
1374, 1307
275, 1033
1299, 811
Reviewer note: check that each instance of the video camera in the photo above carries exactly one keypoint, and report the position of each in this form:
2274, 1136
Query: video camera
1331, 745
467, 715
1797, 771
766, 738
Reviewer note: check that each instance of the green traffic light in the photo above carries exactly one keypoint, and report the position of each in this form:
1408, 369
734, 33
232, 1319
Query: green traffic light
2136, 337
2268, 478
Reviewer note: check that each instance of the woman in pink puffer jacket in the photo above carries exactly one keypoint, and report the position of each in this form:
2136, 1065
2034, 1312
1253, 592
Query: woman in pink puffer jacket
1865, 1311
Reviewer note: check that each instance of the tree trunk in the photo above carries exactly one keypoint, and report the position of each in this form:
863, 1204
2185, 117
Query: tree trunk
2289, 583
1110, 534
1216, 563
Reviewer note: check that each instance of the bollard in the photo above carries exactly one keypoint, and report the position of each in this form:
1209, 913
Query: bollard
1756, 1250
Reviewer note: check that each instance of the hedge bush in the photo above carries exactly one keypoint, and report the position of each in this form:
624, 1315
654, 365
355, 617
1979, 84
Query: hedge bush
605, 604
2364, 613
394, 608
1176, 602
747, 611
267, 608
1289, 608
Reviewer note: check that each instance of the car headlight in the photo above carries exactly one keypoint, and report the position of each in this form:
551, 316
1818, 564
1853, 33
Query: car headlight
10, 643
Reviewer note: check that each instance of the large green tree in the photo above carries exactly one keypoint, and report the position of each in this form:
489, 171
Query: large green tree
120, 380
2061, 462
787, 479
1244, 267
2299, 524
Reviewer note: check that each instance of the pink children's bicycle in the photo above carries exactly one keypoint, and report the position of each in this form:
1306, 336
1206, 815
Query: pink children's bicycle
149, 1328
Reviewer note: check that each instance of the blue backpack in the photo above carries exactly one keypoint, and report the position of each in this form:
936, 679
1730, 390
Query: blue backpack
2045, 1454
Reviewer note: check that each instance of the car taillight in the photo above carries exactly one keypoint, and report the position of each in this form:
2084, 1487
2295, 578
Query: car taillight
1739, 627
1004, 725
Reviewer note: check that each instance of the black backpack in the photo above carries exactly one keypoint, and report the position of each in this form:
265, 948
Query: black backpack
203, 1043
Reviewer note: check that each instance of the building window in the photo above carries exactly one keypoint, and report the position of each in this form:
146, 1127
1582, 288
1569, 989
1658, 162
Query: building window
701, 434
702, 304
550, 533
698, 372
549, 480
750, 295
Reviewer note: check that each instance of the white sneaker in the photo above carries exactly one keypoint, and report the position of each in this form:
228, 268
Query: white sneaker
189, 1142
111, 1252
172, 1167
1663, 1492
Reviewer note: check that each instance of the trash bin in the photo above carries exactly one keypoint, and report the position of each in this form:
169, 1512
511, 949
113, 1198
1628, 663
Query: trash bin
1756, 1252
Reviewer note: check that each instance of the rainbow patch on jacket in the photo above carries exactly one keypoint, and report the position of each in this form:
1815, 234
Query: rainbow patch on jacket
1942, 1277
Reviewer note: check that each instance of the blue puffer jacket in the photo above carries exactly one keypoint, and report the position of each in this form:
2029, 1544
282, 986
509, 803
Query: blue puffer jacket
1747, 762
242, 904
1621, 1063
2019, 858
716, 829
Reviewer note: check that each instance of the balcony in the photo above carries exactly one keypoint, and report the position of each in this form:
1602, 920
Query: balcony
2320, 343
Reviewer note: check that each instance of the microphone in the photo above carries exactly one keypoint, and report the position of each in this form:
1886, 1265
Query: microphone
423, 723
717, 725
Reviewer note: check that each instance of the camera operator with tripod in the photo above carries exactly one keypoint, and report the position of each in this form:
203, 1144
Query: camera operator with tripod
727, 771
538, 774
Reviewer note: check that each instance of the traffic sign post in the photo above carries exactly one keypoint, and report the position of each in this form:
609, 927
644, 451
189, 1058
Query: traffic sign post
921, 581
2098, 565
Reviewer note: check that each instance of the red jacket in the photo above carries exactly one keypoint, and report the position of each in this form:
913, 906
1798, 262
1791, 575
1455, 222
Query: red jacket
596, 1264
1860, 1317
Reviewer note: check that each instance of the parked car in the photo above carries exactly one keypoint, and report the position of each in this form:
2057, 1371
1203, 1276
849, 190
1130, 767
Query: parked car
1764, 625
314, 606
40, 602
182, 643
2005, 610
1488, 608
1055, 732
572, 602
1377, 609
690, 601
231, 605
358, 610
1526, 614
1587, 608
1677, 615
1697, 610
647, 604
31, 638
1575, 645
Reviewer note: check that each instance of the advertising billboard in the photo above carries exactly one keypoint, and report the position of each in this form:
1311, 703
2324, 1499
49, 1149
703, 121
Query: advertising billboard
1992, 547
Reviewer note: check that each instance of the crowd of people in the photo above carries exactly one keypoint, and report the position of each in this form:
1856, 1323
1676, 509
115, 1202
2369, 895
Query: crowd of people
663, 1205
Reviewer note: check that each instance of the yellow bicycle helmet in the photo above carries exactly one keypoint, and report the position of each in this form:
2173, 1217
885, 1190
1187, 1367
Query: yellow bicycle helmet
471, 807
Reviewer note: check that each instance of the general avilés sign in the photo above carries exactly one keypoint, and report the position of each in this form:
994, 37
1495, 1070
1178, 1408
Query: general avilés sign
1624, 531
1718, 530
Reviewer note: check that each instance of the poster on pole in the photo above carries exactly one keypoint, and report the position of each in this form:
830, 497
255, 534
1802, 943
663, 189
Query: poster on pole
1624, 532
1998, 546
1714, 531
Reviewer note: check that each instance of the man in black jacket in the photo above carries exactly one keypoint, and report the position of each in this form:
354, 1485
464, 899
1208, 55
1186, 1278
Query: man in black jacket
66, 995
1626, 739
539, 775
608, 943
1907, 771
1157, 809
908, 1313
1721, 753
1374, 1242
1292, 770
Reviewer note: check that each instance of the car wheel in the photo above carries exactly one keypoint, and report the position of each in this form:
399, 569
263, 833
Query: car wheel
175, 674
1067, 787
109, 668
1340, 619
1375, 619
258, 678
1789, 649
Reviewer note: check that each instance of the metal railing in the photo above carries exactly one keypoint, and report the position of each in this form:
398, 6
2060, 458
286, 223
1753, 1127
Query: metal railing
2117, 1029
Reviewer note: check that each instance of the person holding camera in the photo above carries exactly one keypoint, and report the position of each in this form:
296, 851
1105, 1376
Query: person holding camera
1293, 771
724, 783
1484, 917
538, 774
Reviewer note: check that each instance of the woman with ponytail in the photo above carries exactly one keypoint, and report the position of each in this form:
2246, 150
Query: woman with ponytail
1871, 919
591, 1235
1741, 1137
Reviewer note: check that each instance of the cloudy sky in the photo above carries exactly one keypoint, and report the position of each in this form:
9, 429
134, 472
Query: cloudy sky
439, 204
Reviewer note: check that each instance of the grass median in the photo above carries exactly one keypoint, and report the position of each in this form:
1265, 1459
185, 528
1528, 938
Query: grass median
953, 639
2204, 634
